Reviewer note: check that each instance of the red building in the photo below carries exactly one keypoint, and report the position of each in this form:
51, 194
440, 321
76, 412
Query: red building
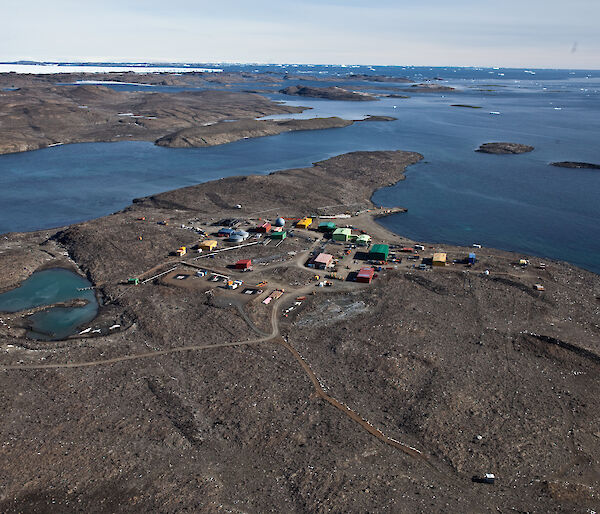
322, 261
264, 228
243, 264
365, 275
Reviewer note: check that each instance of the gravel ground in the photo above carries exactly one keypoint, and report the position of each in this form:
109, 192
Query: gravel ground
481, 373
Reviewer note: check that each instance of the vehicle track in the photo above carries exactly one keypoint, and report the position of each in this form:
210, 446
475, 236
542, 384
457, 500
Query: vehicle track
354, 416
273, 336
124, 358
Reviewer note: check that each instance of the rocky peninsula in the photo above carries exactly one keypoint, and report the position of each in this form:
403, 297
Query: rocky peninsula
504, 148
39, 116
386, 396
228, 132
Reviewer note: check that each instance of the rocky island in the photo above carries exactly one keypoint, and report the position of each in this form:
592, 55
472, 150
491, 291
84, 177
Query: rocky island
373, 117
576, 165
354, 77
466, 106
376, 78
291, 393
504, 148
329, 93
431, 88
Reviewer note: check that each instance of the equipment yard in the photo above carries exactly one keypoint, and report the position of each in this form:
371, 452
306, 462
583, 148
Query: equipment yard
299, 367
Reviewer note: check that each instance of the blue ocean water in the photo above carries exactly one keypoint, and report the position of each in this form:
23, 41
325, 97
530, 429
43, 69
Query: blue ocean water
456, 195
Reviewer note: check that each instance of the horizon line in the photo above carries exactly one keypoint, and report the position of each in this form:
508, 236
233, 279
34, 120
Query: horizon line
205, 63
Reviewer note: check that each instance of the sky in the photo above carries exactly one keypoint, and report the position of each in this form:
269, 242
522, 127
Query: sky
509, 33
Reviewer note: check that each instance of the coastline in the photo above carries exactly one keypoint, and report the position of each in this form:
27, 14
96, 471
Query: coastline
217, 199
213, 203
293, 393
231, 383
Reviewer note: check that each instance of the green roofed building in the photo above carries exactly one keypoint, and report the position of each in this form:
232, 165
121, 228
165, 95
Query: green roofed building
278, 235
342, 234
363, 240
379, 252
327, 226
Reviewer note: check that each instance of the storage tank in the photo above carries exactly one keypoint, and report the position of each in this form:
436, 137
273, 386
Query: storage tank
279, 222
239, 235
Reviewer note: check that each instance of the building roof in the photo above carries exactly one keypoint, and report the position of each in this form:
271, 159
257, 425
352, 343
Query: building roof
345, 231
439, 257
323, 258
328, 224
365, 273
243, 262
380, 248
363, 237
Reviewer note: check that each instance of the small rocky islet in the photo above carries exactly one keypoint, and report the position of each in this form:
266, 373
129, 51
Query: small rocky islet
576, 165
504, 148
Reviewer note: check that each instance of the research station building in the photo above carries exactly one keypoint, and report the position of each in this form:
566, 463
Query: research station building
342, 234
365, 275
439, 259
304, 223
322, 261
379, 252
327, 226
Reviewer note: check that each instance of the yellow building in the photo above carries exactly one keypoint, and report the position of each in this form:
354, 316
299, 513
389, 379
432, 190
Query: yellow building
182, 251
304, 223
208, 245
439, 259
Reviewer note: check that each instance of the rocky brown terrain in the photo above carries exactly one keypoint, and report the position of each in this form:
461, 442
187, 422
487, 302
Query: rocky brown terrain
188, 79
227, 132
330, 93
207, 401
38, 116
504, 148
